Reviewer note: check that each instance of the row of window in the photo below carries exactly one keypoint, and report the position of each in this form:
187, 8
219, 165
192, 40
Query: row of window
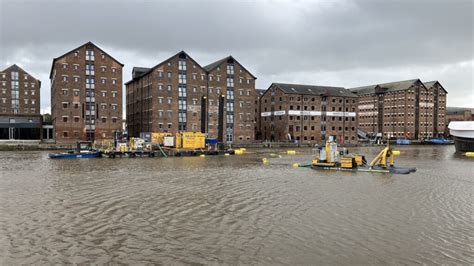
89, 80
16, 110
65, 92
32, 101
89, 68
76, 119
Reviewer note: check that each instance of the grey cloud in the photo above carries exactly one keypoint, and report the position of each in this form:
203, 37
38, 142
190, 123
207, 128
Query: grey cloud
296, 41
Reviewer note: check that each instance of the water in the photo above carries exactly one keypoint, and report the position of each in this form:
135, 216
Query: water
234, 210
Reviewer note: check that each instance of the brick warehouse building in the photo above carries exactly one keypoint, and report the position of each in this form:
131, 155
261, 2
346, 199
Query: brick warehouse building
308, 113
20, 105
86, 94
402, 109
178, 94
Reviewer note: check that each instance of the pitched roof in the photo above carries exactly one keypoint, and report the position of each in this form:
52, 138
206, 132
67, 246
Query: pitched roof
390, 86
87, 43
217, 63
16, 67
457, 110
149, 70
314, 90
138, 71
430, 84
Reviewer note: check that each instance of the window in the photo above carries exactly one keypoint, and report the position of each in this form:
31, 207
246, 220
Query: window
182, 104
76, 119
230, 82
76, 79
104, 119
103, 93
114, 81
114, 119
64, 78
181, 91
114, 94
230, 95
182, 78
114, 70
182, 65
230, 69
90, 55
102, 81
169, 100
230, 107
114, 107
65, 134
169, 87
170, 74
65, 119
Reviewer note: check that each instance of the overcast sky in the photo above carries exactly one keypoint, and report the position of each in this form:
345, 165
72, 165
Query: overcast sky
335, 43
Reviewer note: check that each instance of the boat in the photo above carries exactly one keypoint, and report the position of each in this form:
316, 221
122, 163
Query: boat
438, 141
403, 142
463, 135
330, 158
83, 150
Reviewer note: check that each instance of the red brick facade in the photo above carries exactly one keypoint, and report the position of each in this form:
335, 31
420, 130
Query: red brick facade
19, 92
403, 109
86, 95
171, 97
308, 113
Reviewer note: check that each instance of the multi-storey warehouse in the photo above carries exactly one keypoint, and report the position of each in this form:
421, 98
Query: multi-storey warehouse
308, 113
86, 94
19, 105
178, 94
402, 109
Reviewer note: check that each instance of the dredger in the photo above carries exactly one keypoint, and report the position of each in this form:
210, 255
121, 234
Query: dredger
329, 158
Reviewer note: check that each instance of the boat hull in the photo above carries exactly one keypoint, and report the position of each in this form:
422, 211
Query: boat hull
464, 144
375, 169
83, 155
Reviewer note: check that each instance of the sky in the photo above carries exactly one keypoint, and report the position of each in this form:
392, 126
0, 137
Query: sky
332, 42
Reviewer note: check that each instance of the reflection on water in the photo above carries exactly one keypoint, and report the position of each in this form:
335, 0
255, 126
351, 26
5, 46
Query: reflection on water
235, 210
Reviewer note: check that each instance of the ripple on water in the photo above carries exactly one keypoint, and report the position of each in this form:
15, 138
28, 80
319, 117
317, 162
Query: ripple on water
233, 210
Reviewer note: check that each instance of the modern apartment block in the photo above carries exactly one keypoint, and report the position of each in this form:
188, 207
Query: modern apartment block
179, 94
308, 113
258, 125
19, 105
86, 94
436, 109
399, 109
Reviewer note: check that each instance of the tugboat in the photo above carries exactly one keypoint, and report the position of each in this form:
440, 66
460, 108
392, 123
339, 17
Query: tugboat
83, 150
330, 159
463, 134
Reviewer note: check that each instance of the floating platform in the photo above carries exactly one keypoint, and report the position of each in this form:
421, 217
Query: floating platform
375, 169
164, 153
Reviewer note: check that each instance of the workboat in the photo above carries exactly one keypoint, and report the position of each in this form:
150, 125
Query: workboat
83, 150
330, 158
438, 141
463, 135
403, 141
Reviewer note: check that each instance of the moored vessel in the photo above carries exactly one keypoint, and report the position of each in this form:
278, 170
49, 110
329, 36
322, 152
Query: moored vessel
463, 135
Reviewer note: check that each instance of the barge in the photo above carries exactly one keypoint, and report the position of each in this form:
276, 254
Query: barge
83, 150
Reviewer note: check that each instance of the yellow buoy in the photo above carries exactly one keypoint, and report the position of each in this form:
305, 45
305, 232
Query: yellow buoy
296, 165
395, 152
469, 154
226, 154
265, 161
291, 152
239, 152
202, 155
243, 149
